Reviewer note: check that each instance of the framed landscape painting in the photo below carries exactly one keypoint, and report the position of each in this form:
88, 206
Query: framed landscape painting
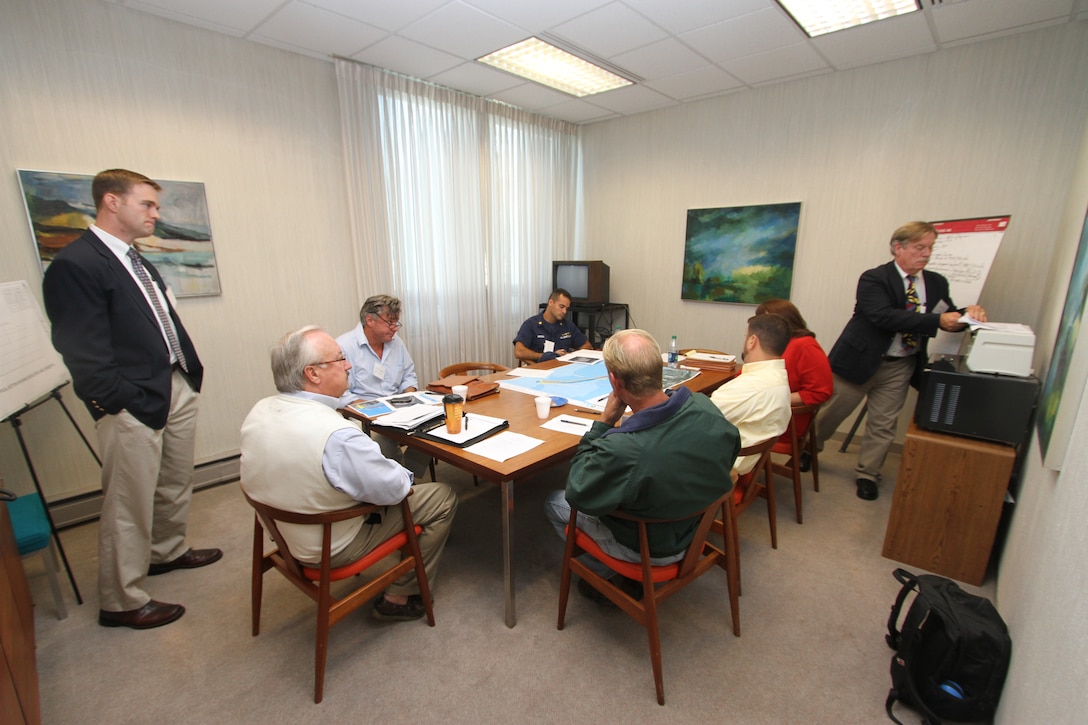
740, 254
59, 208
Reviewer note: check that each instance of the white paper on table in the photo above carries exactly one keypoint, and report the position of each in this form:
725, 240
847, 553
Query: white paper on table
528, 373
569, 424
411, 416
1003, 326
504, 446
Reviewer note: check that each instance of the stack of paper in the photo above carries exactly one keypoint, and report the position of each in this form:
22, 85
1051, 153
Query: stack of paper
411, 417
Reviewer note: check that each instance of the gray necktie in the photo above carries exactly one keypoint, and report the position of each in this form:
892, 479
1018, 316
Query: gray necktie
164, 319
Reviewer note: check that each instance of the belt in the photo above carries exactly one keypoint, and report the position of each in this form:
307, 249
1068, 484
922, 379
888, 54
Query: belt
894, 358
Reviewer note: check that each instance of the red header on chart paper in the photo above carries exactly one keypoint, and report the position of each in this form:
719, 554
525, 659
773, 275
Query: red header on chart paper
967, 226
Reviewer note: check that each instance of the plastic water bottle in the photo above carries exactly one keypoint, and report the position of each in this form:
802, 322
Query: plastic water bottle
674, 353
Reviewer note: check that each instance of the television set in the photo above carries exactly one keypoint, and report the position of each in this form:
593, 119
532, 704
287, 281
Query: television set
586, 281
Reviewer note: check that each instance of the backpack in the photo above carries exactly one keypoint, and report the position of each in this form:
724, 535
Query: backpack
952, 654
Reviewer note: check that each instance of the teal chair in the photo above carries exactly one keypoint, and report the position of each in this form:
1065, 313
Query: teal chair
33, 535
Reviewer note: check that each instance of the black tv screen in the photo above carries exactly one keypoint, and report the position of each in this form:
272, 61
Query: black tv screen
587, 281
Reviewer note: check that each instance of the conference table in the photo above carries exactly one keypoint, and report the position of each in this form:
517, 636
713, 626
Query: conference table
518, 408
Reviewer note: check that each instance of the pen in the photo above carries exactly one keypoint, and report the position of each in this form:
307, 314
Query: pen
466, 421
583, 410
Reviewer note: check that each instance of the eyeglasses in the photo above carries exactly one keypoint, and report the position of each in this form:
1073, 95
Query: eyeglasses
327, 362
394, 325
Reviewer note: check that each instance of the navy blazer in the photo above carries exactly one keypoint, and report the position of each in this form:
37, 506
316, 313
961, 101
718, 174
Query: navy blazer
109, 336
879, 313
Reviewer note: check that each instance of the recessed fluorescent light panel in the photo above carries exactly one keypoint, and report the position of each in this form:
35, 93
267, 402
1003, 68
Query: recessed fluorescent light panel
819, 17
553, 67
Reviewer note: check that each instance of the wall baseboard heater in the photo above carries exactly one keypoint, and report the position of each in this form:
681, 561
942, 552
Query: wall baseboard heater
87, 507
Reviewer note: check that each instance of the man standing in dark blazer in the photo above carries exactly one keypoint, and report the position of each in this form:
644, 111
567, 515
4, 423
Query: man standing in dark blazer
882, 349
135, 368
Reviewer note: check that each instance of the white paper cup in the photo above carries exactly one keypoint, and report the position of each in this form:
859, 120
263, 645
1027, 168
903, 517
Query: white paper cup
461, 390
543, 406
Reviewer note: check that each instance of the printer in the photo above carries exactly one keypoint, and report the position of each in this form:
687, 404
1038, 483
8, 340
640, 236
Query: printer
1007, 350
956, 398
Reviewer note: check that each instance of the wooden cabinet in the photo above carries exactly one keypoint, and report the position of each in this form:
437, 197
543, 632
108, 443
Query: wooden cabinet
947, 503
18, 669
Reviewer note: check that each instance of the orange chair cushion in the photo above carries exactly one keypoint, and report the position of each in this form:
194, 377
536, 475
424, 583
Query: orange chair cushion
381, 551
658, 574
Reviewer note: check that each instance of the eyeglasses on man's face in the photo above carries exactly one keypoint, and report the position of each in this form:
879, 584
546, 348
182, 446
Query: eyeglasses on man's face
328, 362
393, 324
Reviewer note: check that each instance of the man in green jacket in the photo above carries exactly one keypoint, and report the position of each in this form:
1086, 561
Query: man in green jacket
670, 459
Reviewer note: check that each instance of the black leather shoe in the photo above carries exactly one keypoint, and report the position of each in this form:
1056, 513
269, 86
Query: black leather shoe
386, 610
153, 614
806, 462
867, 489
191, 559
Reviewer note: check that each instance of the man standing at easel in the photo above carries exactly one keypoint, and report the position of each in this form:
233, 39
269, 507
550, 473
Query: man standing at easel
135, 368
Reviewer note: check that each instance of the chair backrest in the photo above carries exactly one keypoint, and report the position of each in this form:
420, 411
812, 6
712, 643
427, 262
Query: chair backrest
270, 515
467, 367
695, 549
763, 450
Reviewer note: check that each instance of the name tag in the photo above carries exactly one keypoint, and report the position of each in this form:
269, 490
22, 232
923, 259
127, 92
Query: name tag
549, 346
379, 371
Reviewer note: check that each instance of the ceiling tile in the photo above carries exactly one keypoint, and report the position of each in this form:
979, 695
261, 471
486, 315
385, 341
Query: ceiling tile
464, 31
790, 61
610, 30
237, 18
531, 96
535, 16
579, 112
303, 26
744, 36
706, 81
391, 16
657, 60
680, 16
875, 42
477, 79
631, 99
970, 19
407, 57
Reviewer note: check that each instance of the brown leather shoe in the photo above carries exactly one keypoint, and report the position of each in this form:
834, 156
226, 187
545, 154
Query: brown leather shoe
152, 614
191, 559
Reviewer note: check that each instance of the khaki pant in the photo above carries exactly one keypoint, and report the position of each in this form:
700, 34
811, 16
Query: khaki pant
433, 506
147, 482
884, 395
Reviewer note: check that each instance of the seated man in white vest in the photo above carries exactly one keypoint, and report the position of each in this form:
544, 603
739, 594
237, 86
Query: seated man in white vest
299, 454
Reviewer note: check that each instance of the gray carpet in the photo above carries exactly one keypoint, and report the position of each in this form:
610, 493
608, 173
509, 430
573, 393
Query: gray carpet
811, 649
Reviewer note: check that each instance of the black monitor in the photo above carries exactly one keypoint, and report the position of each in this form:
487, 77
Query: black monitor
586, 281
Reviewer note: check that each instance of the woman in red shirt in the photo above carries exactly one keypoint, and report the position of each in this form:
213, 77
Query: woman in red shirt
807, 367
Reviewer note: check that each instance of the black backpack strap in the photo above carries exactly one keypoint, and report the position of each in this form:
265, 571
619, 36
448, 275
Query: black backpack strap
909, 582
892, 697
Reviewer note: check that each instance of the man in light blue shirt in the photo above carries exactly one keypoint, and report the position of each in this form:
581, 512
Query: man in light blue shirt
381, 366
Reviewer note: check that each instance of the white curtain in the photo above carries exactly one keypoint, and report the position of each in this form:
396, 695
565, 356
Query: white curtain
458, 206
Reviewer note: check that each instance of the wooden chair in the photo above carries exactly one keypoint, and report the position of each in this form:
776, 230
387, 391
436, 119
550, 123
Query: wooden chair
798, 444
700, 557
745, 491
748, 487
315, 581
471, 367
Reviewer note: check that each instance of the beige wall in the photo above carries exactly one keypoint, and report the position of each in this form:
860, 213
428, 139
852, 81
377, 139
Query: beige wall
988, 128
87, 86
984, 129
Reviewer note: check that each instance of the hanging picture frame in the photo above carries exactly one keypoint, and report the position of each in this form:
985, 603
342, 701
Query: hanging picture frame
59, 207
740, 254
